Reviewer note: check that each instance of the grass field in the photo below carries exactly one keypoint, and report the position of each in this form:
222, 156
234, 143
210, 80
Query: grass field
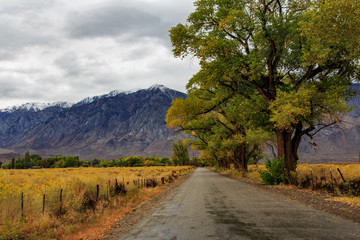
319, 177
350, 171
58, 203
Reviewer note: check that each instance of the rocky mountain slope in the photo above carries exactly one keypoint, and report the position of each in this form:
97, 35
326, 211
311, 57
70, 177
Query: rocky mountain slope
107, 127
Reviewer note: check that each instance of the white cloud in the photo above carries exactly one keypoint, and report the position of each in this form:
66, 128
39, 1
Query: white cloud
54, 50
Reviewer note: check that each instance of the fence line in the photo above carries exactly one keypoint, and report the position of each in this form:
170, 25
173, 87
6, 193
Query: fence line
329, 183
54, 202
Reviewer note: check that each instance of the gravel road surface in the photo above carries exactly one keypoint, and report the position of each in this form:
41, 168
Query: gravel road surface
210, 206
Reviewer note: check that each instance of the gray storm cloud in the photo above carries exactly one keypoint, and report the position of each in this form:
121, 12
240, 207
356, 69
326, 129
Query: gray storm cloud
117, 21
52, 50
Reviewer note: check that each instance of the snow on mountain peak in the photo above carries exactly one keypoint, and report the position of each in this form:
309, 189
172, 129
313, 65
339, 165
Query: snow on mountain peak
35, 106
118, 92
158, 86
108, 95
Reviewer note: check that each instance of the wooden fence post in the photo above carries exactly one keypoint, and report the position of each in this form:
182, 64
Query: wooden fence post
332, 182
22, 204
43, 210
341, 175
312, 179
108, 191
61, 201
97, 192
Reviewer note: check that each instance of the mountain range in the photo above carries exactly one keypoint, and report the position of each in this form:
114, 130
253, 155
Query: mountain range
133, 123
106, 127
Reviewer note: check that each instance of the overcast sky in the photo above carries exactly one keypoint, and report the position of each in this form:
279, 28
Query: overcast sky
63, 50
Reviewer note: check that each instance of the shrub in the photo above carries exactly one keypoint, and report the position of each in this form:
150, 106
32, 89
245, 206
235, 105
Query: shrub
275, 172
85, 164
151, 182
149, 163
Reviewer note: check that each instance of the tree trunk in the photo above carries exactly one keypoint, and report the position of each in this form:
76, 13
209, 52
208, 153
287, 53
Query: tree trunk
228, 161
223, 162
236, 165
243, 157
240, 157
288, 151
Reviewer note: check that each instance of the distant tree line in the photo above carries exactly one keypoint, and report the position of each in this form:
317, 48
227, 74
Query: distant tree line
132, 161
36, 161
60, 161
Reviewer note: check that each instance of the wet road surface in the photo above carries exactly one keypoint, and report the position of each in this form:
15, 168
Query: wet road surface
210, 206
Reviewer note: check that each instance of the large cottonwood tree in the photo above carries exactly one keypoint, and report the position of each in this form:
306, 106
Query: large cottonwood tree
299, 56
226, 126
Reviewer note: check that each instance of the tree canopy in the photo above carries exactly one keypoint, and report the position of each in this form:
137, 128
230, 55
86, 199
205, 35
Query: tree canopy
289, 62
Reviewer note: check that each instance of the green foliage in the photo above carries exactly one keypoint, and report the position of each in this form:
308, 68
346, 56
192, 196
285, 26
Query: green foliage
165, 162
290, 107
6, 166
155, 161
85, 164
180, 154
52, 160
94, 162
72, 161
133, 161
27, 163
13, 163
279, 66
103, 163
44, 163
19, 165
35, 159
275, 172
59, 164
194, 161
60, 161
203, 163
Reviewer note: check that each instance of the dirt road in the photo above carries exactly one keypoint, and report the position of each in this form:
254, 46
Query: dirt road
210, 206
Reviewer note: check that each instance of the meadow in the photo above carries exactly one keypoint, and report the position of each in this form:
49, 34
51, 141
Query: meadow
60, 203
341, 181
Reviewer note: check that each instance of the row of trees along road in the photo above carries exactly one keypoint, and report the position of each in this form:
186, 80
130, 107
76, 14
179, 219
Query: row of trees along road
270, 70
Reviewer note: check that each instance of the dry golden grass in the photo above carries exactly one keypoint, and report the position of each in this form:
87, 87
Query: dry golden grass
350, 171
79, 211
253, 172
349, 200
326, 175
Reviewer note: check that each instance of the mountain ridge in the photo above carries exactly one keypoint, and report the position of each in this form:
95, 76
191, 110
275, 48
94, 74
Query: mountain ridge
39, 106
124, 123
109, 126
